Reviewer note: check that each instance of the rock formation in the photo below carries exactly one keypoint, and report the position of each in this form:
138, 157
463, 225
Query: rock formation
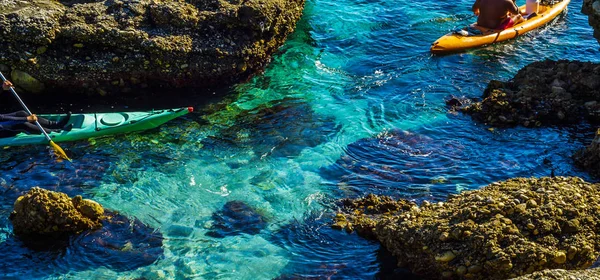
592, 9
504, 230
561, 274
589, 158
544, 92
46, 213
107, 46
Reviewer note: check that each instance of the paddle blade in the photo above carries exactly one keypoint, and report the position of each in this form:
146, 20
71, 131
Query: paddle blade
59, 151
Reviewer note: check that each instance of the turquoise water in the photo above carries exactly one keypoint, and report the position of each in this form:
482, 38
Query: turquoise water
353, 103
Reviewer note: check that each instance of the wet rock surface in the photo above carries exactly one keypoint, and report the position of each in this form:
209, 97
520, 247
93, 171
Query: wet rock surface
367, 212
504, 230
236, 218
589, 157
545, 92
126, 45
46, 213
592, 9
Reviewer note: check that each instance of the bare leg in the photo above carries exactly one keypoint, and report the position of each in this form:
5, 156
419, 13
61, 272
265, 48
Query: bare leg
518, 19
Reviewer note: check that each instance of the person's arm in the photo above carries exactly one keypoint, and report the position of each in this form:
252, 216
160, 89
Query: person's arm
512, 7
8, 117
475, 7
6, 86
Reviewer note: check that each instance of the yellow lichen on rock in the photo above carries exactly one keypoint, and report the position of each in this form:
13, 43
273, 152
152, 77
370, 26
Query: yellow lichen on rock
503, 230
48, 213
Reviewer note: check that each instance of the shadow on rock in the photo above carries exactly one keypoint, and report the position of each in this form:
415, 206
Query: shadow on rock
236, 218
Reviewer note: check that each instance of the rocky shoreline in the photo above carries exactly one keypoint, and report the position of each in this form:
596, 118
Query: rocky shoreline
504, 230
521, 228
542, 93
127, 46
592, 9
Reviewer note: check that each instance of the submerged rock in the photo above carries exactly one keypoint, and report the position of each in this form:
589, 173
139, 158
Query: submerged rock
281, 129
236, 218
544, 92
121, 244
503, 230
405, 162
46, 213
117, 46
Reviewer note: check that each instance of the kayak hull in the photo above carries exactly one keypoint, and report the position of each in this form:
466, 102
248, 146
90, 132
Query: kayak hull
452, 42
97, 125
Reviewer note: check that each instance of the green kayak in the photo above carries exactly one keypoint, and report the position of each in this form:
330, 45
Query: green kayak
98, 124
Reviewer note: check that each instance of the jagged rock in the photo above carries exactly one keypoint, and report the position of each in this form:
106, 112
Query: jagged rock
589, 158
544, 92
366, 211
561, 274
504, 230
592, 9
46, 213
117, 46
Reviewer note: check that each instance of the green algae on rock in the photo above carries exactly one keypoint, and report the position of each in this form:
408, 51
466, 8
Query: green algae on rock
504, 230
26, 82
42, 212
544, 92
177, 43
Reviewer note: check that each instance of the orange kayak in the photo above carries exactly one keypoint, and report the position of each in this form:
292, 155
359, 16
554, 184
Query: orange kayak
453, 42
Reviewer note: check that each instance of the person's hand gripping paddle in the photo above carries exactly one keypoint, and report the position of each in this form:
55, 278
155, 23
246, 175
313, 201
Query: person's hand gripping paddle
57, 149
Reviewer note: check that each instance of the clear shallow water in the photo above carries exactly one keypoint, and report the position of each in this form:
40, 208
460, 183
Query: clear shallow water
353, 103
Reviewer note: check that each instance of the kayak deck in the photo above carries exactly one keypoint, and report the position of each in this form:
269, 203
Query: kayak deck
98, 124
453, 42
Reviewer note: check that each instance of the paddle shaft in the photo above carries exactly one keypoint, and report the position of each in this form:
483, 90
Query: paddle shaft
26, 109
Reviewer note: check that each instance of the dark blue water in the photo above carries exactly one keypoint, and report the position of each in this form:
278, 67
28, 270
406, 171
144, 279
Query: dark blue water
244, 187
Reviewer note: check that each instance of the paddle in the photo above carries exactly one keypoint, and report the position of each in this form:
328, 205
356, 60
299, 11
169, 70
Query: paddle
57, 149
